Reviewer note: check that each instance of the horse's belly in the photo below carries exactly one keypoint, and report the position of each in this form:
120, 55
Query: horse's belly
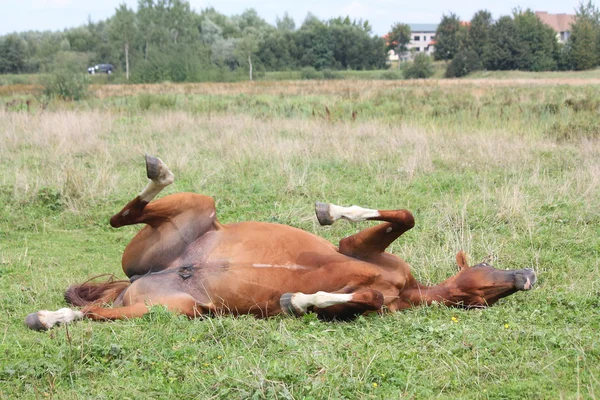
256, 289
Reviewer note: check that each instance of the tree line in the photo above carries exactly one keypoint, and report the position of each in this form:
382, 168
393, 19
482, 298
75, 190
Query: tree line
520, 41
167, 40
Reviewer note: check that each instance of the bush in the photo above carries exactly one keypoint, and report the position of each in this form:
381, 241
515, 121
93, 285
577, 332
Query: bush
390, 75
146, 100
66, 85
420, 68
574, 130
67, 79
331, 74
310, 73
463, 63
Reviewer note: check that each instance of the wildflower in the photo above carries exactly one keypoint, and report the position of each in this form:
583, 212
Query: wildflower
193, 339
454, 319
206, 364
505, 326
219, 357
375, 384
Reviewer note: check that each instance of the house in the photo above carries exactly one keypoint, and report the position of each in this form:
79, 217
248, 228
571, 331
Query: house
561, 23
421, 41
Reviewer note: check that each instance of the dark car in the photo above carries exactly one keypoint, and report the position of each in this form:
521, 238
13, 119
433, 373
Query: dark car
101, 68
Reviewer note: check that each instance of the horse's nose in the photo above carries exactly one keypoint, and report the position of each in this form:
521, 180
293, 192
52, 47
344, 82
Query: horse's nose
525, 279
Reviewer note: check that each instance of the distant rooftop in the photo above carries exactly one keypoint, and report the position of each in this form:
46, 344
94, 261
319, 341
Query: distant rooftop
558, 22
423, 27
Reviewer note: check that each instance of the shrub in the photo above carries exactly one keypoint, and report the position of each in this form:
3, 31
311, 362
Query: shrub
66, 85
420, 68
464, 62
390, 75
574, 130
330, 74
310, 73
145, 101
67, 79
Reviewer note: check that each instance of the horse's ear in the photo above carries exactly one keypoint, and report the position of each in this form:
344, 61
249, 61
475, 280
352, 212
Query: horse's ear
461, 260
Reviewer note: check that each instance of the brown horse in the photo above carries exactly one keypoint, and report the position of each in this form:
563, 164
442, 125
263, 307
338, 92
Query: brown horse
187, 261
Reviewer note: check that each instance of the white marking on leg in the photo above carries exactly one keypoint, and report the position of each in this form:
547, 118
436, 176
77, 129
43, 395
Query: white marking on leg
302, 301
154, 186
354, 213
63, 316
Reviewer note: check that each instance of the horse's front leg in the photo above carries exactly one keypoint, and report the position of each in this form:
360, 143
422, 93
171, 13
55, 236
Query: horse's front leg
329, 306
371, 241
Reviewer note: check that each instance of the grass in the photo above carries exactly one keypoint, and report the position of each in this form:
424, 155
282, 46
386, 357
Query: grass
504, 186
590, 74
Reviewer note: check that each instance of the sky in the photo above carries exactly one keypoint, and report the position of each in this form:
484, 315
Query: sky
24, 15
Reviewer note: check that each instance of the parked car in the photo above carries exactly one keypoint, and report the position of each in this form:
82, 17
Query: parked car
101, 68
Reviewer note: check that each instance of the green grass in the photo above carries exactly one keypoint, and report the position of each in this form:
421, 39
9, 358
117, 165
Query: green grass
591, 74
501, 188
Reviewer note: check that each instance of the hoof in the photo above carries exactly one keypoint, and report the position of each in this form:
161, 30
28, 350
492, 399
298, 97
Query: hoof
33, 322
285, 301
323, 215
152, 167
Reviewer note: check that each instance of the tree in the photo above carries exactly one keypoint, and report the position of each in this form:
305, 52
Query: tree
147, 18
584, 42
479, 32
503, 48
178, 19
13, 51
537, 46
123, 31
447, 37
247, 46
286, 23
398, 39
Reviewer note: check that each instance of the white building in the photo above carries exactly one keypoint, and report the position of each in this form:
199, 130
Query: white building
421, 41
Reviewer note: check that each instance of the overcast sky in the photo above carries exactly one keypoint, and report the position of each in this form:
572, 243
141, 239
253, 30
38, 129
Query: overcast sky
23, 15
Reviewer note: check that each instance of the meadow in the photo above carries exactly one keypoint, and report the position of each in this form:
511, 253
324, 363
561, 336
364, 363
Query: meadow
506, 169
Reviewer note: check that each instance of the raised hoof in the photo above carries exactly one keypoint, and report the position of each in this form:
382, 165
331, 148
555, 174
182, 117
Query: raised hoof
323, 215
33, 322
152, 167
285, 301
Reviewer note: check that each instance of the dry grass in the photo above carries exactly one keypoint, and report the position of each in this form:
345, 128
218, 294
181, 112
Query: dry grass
347, 87
307, 87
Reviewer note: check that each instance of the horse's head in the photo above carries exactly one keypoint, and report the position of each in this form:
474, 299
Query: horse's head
482, 285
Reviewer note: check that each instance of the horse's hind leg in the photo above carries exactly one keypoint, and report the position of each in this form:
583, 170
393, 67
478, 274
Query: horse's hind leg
181, 303
159, 177
178, 302
370, 241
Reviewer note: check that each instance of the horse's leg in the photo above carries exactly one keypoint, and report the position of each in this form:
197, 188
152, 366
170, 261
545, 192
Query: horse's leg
181, 303
332, 305
173, 222
372, 240
159, 177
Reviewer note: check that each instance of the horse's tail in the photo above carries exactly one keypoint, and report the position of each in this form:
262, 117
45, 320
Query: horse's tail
97, 293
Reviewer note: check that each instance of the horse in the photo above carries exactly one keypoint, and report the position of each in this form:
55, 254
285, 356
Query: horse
186, 260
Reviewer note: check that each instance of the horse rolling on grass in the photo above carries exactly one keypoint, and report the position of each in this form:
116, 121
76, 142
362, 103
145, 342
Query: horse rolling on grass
184, 259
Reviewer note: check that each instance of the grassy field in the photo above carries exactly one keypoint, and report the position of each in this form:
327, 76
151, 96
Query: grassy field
508, 171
